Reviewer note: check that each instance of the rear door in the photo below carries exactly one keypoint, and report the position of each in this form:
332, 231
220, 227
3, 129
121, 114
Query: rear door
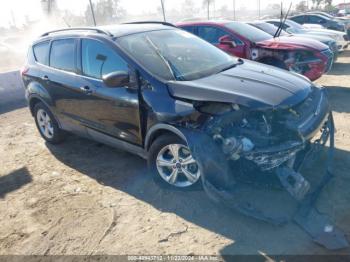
213, 34
61, 81
107, 111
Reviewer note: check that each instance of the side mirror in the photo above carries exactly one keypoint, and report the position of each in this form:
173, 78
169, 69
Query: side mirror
116, 79
227, 40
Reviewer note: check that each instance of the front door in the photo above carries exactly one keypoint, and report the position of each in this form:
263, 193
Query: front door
112, 111
213, 34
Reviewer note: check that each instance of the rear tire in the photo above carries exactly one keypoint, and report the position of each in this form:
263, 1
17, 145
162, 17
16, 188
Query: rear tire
47, 124
179, 172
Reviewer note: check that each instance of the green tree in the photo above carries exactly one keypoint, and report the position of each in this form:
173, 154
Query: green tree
106, 12
328, 2
301, 7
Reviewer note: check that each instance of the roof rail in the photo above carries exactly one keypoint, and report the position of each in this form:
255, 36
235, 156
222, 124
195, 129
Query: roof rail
97, 30
151, 22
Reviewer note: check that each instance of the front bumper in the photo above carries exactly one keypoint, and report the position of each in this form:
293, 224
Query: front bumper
342, 45
321, 65
281, 163
228, 192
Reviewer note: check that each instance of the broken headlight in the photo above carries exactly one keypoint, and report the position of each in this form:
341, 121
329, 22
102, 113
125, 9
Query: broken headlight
215, 108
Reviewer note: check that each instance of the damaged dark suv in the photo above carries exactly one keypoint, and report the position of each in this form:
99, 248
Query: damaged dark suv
146, 86
197, 114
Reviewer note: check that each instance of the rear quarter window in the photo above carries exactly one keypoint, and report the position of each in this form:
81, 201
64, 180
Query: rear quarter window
41, 52
62, 54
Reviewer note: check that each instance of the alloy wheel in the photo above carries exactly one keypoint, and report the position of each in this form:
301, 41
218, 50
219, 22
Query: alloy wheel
45, 123
176, 165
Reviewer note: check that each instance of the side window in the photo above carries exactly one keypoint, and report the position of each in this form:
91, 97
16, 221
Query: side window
62, 54
298, 19
41, 52
98, 59
189, 29
284, 26
316, 20
274, 23
211, 34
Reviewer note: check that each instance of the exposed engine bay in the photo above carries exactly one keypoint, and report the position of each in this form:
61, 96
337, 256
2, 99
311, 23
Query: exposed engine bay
237, 147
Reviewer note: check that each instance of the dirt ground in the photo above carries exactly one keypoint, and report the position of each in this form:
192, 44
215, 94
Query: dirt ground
82, 197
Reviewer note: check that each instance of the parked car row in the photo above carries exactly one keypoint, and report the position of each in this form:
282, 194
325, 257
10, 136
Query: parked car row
326, 20
306, 56
292, 27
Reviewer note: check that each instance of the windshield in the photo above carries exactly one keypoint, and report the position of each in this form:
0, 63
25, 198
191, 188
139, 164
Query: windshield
175, 54
252, 33
268, 28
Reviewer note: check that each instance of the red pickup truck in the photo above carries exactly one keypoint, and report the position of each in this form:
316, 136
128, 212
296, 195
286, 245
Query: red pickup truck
304, 56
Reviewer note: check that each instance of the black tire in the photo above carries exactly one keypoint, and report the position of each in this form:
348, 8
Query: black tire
153, 152
58, 134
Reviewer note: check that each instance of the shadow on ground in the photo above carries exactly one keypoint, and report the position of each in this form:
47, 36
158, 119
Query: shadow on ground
127, 173
14, 180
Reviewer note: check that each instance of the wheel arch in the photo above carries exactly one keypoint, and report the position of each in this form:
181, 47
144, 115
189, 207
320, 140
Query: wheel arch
161, 129
34, 100
37, 93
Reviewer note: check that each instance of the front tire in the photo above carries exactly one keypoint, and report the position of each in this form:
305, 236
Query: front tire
171, 164
47, 124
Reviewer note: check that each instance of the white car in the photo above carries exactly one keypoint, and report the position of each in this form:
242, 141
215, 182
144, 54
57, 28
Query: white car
295, 28
312, 26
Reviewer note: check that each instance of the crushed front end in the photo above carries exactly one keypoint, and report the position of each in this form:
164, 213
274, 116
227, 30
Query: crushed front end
241, 146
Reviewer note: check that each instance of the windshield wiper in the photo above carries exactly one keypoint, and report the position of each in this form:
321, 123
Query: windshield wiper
173, 70
283, 21
240, 61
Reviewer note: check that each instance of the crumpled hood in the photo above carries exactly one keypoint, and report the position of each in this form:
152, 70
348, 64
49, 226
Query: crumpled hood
251, 84
292, 43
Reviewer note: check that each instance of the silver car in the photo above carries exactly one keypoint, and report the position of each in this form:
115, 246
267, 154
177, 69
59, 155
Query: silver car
295, 28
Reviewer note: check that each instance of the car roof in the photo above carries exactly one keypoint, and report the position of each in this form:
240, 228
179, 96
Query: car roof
320, 13
119, 30
205, 22
114, 31
315, 14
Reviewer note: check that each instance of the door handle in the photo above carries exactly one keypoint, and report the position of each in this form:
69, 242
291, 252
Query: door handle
86, 90
45, 78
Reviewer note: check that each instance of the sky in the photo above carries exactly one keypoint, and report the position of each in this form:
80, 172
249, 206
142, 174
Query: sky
15, 11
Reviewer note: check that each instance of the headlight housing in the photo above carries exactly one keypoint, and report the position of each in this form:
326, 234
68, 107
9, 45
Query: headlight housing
214, 108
